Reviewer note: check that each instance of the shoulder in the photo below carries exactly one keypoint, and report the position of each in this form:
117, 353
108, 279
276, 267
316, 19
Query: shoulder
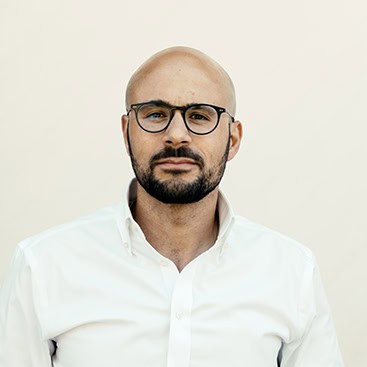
75, 233
257, 238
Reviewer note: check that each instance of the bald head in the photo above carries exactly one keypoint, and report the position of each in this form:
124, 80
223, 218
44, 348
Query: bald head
193, 75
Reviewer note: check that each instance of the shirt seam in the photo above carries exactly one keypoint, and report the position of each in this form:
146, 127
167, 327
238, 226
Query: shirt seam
304, 326
39, 297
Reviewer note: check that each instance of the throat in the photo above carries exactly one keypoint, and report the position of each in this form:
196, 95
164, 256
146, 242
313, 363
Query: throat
181, 250
178, 232
184, 248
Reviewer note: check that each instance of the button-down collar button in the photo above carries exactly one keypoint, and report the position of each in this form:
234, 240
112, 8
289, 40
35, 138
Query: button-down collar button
163, 262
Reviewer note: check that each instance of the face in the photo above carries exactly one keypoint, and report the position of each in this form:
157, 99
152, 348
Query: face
176, 166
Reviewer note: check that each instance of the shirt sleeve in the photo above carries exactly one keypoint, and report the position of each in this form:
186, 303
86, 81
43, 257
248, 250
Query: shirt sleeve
21, 341
318, 344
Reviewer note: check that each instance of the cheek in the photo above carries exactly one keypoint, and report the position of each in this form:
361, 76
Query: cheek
214, 147
141, 145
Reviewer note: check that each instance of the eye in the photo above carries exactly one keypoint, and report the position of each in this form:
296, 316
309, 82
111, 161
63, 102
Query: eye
155, 115
198, 116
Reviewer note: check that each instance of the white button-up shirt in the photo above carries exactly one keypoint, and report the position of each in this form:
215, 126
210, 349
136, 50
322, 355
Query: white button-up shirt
95, 293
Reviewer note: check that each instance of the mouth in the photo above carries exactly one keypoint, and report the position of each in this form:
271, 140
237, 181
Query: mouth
181, 164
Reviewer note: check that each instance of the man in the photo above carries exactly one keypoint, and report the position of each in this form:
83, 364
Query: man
169, 276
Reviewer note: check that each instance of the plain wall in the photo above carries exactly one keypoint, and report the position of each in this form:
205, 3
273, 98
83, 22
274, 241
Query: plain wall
300, 72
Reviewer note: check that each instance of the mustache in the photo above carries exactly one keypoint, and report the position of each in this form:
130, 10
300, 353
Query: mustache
181, 152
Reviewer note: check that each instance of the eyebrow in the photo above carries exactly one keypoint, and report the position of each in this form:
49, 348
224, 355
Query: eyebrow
160, 101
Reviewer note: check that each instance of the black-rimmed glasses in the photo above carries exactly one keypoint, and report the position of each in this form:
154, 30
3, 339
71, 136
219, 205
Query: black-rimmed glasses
199, 118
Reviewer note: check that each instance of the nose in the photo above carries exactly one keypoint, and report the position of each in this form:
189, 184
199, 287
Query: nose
177, 133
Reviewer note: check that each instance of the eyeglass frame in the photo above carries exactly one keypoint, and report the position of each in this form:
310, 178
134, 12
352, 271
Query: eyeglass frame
220, 110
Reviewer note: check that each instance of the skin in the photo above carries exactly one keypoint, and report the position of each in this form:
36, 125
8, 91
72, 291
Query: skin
179, 76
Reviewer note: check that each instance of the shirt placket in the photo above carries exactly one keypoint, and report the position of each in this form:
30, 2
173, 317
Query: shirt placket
179, 342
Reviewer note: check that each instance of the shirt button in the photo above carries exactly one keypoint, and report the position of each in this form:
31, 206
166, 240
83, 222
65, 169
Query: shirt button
179, 315
126, 244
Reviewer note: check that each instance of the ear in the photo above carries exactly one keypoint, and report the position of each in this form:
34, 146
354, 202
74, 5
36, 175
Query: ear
235, 139
125, 127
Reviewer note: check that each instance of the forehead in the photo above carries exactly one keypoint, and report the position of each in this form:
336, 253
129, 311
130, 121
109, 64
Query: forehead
179, 81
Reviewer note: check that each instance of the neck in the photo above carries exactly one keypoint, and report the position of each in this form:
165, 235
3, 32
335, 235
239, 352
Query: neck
179, 232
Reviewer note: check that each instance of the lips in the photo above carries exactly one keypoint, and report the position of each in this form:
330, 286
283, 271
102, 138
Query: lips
180, 157
176, 163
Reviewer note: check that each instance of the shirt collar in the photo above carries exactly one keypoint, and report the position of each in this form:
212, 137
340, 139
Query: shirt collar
124, 218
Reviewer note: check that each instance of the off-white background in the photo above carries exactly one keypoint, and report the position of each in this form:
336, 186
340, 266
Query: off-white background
300, 72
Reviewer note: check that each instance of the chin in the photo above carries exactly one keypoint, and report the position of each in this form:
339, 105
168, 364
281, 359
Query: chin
175, 175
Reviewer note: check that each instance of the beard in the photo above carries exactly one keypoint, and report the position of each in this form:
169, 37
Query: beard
176, 190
